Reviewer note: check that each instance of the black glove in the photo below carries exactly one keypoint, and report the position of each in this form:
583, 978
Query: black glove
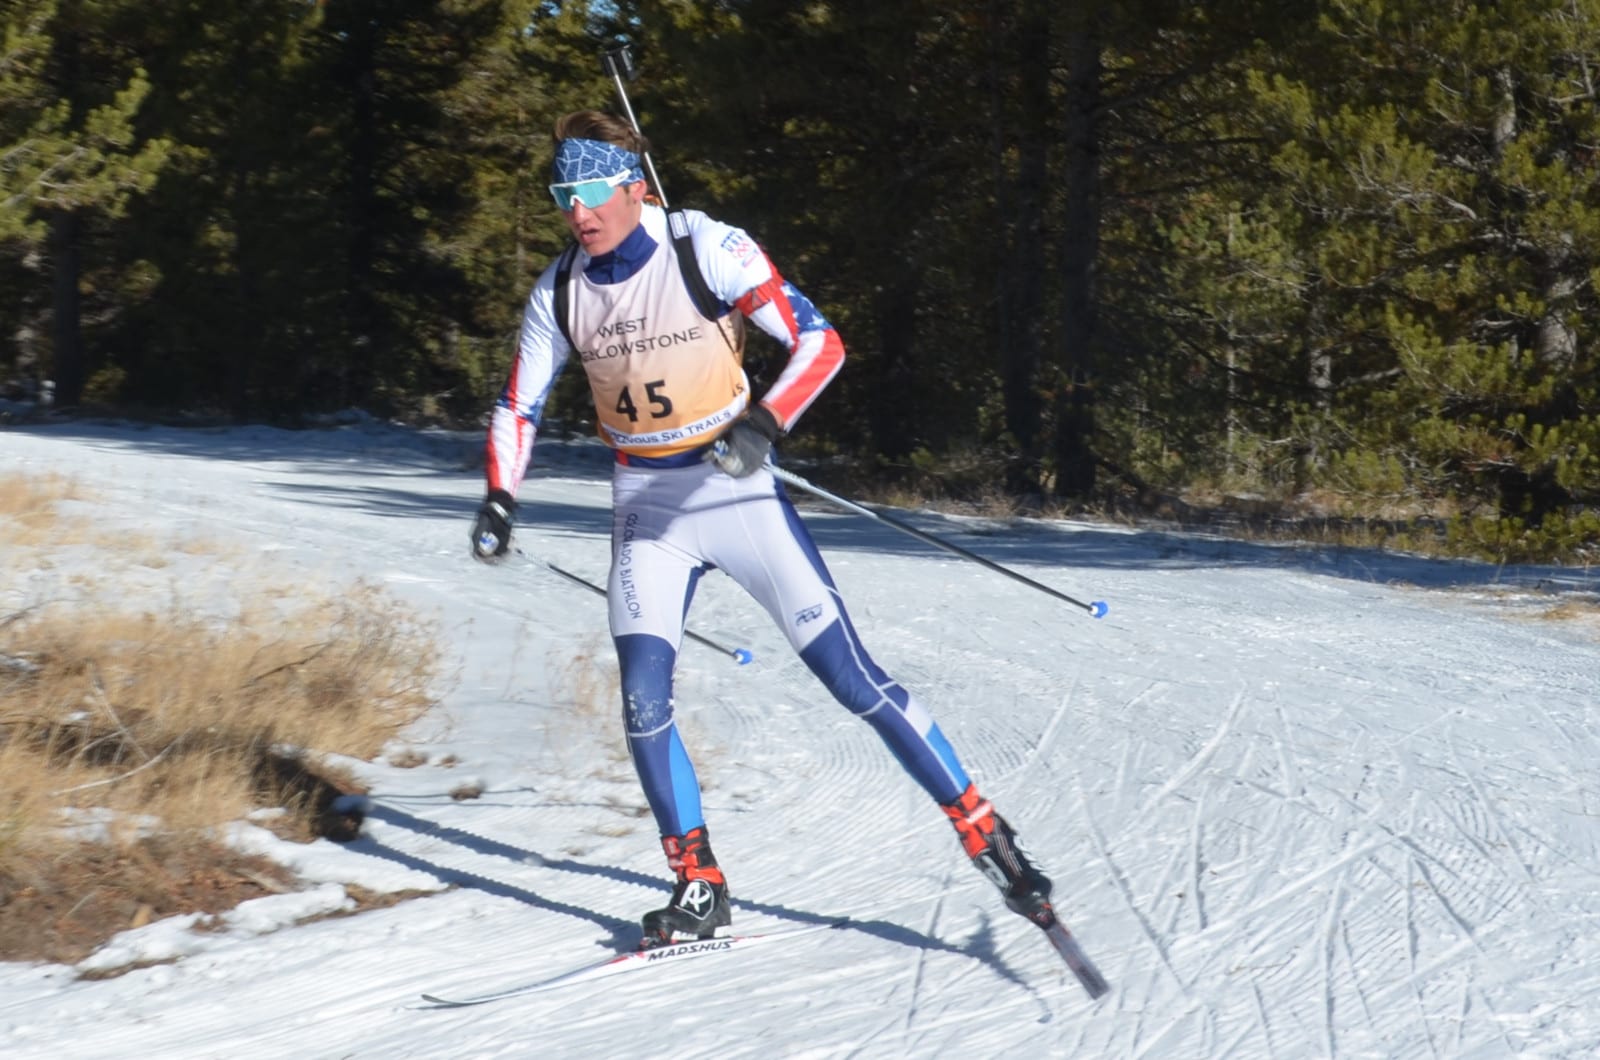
491, 533
747, 443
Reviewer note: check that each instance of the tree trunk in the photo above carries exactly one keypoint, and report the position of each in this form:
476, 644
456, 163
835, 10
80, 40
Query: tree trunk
1020, 294
67, 365
893, 418
1075, 458
240, 362
66, 257
361, 59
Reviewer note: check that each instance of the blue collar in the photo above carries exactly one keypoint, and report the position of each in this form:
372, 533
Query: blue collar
629, 257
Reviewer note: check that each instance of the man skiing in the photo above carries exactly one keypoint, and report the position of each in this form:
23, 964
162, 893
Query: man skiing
691, 492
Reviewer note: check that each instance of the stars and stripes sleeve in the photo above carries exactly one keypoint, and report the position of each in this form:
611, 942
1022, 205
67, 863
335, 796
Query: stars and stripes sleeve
542, 352
739, 272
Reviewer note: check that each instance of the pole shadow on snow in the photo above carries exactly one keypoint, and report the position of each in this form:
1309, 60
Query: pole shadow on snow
624, 932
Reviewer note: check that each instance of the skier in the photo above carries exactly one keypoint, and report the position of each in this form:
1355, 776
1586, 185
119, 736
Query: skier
690, 491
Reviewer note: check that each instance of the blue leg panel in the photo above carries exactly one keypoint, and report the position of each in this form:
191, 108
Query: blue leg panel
665, 772
843, 665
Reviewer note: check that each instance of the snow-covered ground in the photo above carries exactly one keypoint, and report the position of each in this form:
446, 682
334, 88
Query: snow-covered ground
1296, 802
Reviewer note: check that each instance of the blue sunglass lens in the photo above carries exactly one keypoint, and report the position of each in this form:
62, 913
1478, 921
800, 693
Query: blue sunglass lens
592, 193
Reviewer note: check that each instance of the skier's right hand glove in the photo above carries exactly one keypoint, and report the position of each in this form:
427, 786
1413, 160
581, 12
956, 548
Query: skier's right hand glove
491, 533
744, 447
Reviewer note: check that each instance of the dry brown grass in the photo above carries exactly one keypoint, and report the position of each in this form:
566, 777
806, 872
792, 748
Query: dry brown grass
1575, 607
590, 678
1581, 611
174, 717
28, 513
126, 736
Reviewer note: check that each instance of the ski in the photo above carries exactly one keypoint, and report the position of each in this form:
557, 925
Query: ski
1073, 954
633, 960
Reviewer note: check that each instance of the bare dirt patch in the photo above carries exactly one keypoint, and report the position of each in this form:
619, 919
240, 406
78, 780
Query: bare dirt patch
65, 905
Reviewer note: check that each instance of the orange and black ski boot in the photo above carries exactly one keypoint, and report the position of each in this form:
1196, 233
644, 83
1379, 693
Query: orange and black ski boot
992, 845
699, 907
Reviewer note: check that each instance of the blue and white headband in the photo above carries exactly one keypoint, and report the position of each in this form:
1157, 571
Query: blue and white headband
593, 160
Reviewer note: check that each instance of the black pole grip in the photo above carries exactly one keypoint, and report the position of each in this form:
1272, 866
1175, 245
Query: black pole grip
617, 62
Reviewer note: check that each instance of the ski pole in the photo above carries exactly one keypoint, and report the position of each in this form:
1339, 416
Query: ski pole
738, 655
1097, 609
618, 64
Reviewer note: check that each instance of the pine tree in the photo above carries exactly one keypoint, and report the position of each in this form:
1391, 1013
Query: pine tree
72, 159
1439, 167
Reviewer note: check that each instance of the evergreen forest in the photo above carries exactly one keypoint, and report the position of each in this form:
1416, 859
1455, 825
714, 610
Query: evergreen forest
1334, 258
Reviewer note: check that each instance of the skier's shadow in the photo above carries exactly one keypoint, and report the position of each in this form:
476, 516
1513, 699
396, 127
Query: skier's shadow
624, 933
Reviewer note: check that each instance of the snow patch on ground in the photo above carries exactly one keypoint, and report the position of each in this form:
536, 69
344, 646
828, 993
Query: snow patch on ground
1296, 801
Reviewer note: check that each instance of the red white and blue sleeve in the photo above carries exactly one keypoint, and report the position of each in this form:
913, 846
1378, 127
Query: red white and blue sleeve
739, 272
542, 352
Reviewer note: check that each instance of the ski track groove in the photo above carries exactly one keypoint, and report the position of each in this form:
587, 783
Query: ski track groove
1046, 738
1284, 738
1487, 804
1170, 889
1198, 761
1340, 939
1458, 1024
861, 1048
1120, 879
1353, 964
1232, 1045
1413, 944
1423, 857
1197, 861
920, 965
1418, 860
1330, 993
1168, 1029
1263, 1020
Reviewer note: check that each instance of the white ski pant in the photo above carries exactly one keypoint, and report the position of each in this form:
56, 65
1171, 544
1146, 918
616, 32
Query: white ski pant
671, 525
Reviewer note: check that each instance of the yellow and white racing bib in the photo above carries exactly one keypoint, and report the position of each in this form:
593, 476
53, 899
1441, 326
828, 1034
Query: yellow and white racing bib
664, 379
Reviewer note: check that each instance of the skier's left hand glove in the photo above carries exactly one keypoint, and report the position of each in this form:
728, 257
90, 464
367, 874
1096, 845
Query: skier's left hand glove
491, 531
745, 445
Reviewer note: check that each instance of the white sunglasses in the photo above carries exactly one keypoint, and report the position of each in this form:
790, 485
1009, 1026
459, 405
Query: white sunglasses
593, 193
